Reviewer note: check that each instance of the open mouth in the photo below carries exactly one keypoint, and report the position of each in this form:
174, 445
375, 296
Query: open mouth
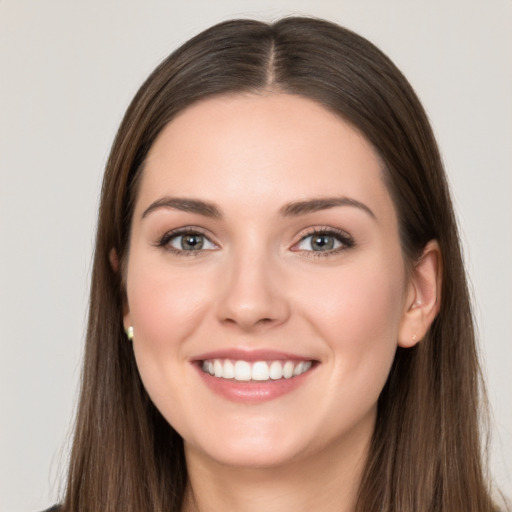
260, 371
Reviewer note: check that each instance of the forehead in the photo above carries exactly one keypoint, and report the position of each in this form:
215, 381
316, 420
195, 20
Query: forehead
262, 149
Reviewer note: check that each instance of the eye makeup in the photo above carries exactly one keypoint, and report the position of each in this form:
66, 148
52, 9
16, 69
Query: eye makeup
322, 241
192, 239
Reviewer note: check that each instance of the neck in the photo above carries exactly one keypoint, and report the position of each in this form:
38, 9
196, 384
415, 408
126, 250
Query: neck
324, 482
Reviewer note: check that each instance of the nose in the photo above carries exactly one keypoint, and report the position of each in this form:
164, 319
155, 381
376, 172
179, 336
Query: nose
253, 294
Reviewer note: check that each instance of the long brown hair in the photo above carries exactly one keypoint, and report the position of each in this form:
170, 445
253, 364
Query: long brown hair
426, 449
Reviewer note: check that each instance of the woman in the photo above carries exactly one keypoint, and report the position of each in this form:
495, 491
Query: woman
279, 313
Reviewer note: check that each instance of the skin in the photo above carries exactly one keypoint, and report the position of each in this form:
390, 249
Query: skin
257, 284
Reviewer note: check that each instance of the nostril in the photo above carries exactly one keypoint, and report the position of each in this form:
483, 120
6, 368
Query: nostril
261, 321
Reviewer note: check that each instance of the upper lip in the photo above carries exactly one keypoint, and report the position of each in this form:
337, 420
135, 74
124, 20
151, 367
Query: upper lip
251, 355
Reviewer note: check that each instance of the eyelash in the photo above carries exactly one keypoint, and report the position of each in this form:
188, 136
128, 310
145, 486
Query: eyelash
346, 241
341, 236
164, 242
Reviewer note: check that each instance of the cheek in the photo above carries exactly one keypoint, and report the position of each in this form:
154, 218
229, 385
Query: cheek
165, 308
365, 299
164, 304
358, 316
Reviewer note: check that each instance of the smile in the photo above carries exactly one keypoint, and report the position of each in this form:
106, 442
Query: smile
260, 371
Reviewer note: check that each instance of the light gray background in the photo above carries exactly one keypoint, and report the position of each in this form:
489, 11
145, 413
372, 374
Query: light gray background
67, 72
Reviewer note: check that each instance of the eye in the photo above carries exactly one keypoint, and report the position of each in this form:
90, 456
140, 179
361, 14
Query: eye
327, 241
186, 241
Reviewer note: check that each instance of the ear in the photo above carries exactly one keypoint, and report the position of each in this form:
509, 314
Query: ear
127, 322
114, 263
114, 260
423, 297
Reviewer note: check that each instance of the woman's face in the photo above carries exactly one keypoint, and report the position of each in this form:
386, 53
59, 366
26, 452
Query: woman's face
264, 243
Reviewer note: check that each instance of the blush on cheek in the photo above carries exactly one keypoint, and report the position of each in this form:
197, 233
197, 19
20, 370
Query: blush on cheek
165, 308
362, 300
361, 318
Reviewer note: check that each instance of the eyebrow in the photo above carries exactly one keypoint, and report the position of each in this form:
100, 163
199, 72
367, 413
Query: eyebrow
185, 205
293, 209
314, 205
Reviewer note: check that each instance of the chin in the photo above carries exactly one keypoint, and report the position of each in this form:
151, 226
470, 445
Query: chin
249, 447
249, 456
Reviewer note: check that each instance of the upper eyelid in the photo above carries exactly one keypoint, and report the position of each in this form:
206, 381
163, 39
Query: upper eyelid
323, 229
187, 229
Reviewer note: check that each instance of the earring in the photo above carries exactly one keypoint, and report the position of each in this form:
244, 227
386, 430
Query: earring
413, 336
129, 333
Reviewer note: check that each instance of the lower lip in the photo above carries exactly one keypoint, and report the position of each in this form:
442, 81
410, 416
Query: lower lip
252, 391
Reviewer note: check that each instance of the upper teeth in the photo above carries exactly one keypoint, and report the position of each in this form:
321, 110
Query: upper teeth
259, 370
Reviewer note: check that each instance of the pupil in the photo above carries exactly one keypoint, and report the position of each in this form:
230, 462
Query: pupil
192, 242
323, 243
